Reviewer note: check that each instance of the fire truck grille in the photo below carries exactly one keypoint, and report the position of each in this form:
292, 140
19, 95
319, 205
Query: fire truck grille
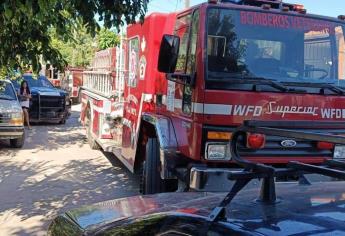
275, 147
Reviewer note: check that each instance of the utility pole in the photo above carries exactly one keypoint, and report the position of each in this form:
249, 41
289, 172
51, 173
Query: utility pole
187, 3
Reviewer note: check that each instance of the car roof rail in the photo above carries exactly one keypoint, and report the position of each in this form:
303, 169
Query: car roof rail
252, 170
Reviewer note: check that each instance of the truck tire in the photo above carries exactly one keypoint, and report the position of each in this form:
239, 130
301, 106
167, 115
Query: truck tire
17, 143
90, 139
151, 181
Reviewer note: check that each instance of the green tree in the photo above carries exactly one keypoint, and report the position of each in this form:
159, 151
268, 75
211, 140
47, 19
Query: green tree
107, 39
24, 26
77, 50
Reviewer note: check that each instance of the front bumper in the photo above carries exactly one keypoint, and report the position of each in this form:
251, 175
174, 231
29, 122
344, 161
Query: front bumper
210, 179
205, 179
11, 132
51, 116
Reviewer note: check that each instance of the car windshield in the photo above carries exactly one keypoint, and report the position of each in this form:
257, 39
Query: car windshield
6, 91
35, 82
279, 47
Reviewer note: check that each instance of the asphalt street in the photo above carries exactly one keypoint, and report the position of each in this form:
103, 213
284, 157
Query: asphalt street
55, 171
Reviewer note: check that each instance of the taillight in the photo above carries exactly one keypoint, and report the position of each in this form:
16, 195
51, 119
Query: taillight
256, 141
325, 145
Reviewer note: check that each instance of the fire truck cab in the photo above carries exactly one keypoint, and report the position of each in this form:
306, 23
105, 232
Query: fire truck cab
196, 75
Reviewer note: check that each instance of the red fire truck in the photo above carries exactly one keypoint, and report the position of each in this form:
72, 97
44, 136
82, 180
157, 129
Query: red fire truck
104, 61
196, 75
53, 75
73, 82
102, 96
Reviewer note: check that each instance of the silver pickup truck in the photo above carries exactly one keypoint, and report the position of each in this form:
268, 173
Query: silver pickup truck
11, 115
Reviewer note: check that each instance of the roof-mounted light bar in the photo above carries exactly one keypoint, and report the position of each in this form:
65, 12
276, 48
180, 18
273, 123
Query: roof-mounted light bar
274, 4
252, 2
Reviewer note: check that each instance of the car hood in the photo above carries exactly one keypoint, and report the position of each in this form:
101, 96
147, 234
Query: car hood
7, 106
319, 208
48, 91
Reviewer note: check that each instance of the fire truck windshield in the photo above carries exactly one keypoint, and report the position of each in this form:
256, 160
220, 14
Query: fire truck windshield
276, 46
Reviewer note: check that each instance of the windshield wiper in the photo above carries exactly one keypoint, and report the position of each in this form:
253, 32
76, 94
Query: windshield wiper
333, 88
259, 81
319, 85
273, 84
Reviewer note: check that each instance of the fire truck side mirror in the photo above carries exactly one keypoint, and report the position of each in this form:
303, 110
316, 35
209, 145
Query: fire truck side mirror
168, 53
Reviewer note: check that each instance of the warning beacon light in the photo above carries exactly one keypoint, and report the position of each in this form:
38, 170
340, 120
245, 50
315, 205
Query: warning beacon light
267, 4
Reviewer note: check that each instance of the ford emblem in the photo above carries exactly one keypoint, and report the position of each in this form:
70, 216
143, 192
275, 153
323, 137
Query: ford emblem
288, 143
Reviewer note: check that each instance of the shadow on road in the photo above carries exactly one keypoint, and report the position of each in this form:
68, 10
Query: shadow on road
54, 172
49, 136
46, 190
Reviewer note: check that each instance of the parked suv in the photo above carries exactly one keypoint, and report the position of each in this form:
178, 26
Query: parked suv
48, 103
11, 115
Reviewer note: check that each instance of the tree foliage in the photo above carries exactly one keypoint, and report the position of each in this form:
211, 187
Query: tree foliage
107, 39
80, 48
77, 50
25, 25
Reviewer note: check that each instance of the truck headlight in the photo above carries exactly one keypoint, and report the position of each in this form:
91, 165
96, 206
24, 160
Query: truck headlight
217, 151
15, 115
339, 152
16, 119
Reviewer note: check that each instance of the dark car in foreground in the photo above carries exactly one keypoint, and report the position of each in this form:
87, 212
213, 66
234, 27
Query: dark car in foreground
48, 104
318, 209
274, 207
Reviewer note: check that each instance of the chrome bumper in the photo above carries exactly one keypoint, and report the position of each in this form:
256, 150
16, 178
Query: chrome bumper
11, 132
212, 179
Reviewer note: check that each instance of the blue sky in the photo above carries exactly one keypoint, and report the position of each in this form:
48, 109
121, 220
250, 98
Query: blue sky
322, 7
